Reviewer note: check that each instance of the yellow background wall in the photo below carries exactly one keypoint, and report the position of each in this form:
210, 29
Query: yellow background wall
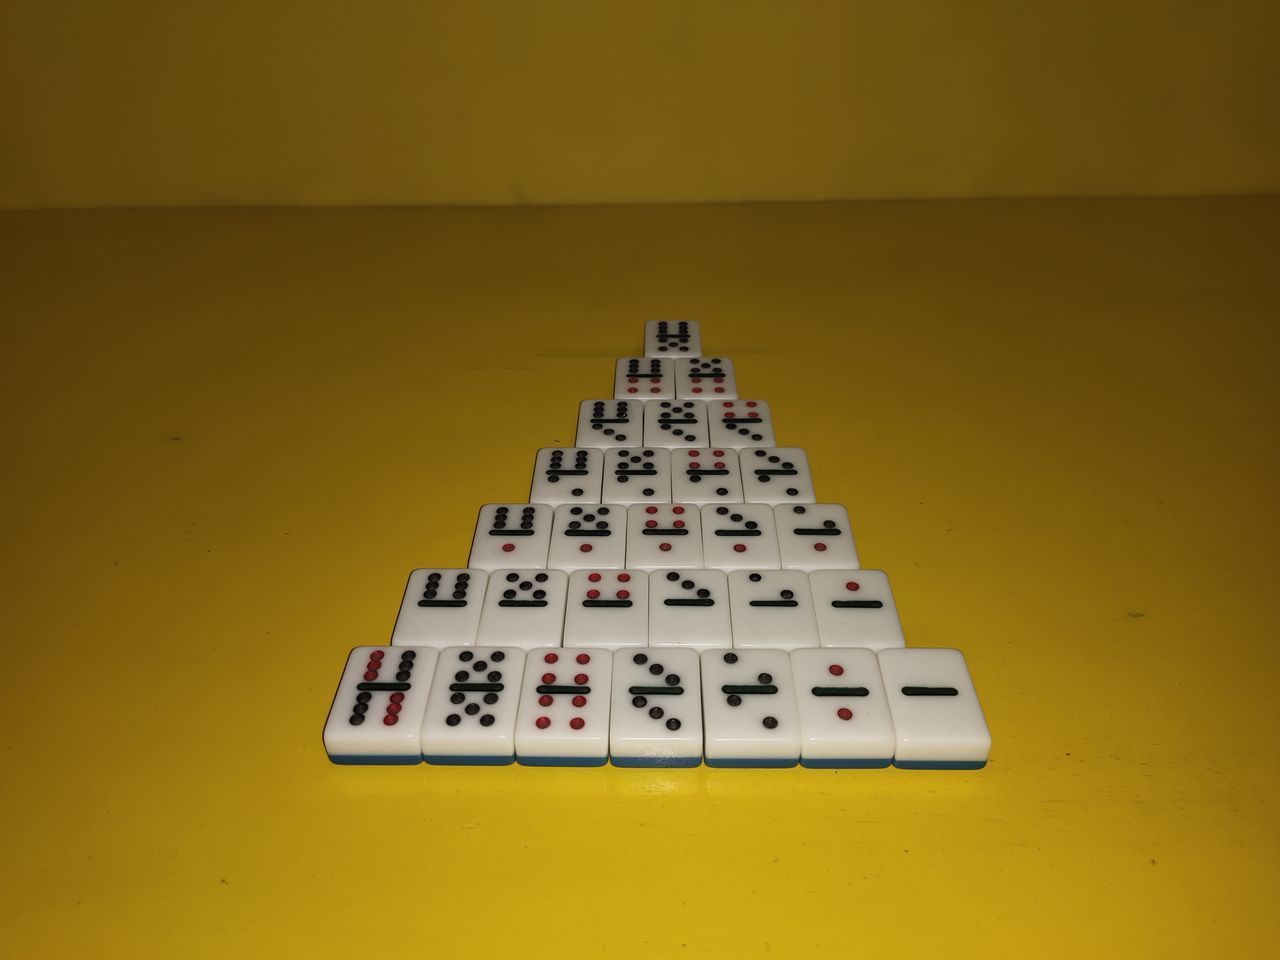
142, 102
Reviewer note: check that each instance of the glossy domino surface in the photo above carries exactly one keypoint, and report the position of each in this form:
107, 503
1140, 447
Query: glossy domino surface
441, 608
564, 708
377, 712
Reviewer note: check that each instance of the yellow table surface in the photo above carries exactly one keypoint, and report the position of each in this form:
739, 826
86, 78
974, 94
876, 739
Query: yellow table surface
229, 435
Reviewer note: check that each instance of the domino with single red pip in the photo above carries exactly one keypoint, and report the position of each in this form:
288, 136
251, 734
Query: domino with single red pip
663, 535
590, 536
815, 536
855, 608
739, 536
511, 535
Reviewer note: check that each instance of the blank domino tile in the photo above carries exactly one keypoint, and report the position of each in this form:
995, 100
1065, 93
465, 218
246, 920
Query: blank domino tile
376, 716
709, 378
675, 424
471, 713
564, 708
844, 713
588, 537
644, 378
855, 608
689, 608
523, 608
749, 709
672, 338
441, 608
664, 535
610, 423
607, 608
567, 475
936, 714
739, 536
772, 608
740, 423
776, 475
705, 476
511, 535
637, 475
656, 719
815, 536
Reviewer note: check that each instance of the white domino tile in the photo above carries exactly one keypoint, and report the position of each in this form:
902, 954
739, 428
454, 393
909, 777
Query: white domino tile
672, 338
564, 708
471, 712
706, 476
664, 535
656, 720
844, 712
675, 424
707, 378
772, 608
689, 608
607, 608
377, 712
610, 423
749, 709
588, 537
644, 378
567, 475
855, 608
776, 475
523, 608
739, 536
511, 535
815, 536
441, 608
936, 715
740, 423
637, 475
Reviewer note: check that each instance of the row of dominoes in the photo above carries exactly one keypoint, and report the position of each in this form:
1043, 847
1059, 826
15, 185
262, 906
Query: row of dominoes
549, 706
675, 529
702, 609
655, 474
813, 536
675, 424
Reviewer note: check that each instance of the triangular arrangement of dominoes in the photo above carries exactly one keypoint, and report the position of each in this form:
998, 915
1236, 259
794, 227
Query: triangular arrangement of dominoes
672, 592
